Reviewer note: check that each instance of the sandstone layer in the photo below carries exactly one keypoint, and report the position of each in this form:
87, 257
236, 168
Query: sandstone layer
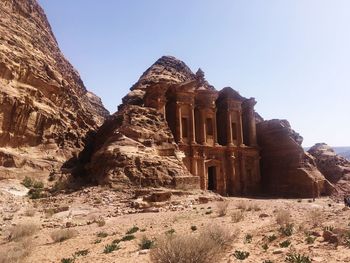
286, 169
45, 109
334, 167
135, 145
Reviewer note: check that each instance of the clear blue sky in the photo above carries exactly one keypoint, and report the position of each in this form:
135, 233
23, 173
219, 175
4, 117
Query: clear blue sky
293, 56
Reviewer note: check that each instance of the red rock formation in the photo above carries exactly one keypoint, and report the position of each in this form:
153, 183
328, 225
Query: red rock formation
286, 169
335, 168
45, 109
135, 146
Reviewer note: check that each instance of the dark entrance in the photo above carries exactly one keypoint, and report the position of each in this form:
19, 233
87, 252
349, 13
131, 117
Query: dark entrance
212, 178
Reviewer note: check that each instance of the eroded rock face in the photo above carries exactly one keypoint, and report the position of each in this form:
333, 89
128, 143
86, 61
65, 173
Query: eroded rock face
166, 70
334, 167
286, 169
136, 147
45, 108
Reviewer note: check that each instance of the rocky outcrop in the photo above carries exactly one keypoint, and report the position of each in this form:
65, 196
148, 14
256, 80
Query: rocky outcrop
286, 169
136, 147
333, 166
45, 109
165, 71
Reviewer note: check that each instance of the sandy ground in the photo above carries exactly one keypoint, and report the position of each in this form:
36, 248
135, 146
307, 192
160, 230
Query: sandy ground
82, 210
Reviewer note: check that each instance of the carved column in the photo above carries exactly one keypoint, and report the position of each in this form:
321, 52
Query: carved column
193, 126
229, 129
215, 129
240, 130
252, 124
178, 111
204, 128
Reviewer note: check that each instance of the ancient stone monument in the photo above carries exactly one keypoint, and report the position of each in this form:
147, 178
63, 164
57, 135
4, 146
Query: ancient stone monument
215, 130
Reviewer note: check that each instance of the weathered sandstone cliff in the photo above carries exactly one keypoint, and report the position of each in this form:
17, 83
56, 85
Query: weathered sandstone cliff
45, 109
286, 169
335, 168
135, 145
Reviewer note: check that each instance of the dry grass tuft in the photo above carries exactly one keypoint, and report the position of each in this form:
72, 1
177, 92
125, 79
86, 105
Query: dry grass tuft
283, 217
222, 208
237, 216
206, 247
63, 234
242, 205
316, 217
17, 252
22, 230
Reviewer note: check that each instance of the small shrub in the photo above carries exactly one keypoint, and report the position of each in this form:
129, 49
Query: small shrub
285, 243
271, 238
265, 247
110, 248
146, 243
102, 234
29, 212
193, 228
328, 228
241, 255
287, 230
97, 241
248, 238
128, 238
297, 258
35, 193
116, 241
237, 216
22, 230
254, 207
208, 212
206, 247
27, 182
38, 185
63, 234
100, 222
132, 230
68, 260
170, 231
82, 253
283, 217
316, 217
222, 208
17, 252
310, 239
242, 205
267, 261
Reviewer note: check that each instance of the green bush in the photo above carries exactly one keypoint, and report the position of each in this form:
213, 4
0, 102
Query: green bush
241, 255
248, 238
27, 182
285, 243
83, 252
287, 230
297, 258
132, 230
146, 243
271, 237
102, 234
310, 239
193, 228
67, 260
128, 238
110, 248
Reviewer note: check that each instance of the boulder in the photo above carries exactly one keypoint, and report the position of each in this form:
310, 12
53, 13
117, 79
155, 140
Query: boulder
333, 166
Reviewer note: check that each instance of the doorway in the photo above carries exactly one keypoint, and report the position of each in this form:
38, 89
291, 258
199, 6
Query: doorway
212, 178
